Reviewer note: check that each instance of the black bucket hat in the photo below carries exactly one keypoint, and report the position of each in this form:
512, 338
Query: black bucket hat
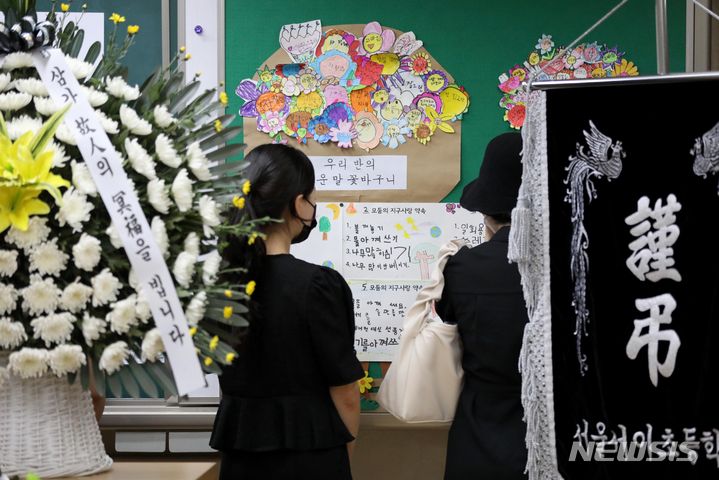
495, 191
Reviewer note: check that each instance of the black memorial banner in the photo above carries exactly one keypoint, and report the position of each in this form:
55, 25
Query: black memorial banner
630, 196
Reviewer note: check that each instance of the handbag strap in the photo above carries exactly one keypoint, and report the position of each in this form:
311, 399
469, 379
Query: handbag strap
418, 314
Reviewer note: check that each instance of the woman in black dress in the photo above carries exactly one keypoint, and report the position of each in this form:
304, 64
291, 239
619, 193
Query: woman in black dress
483, 296
290, 403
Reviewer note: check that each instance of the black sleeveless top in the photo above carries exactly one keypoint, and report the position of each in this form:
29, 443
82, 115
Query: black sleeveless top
276, 395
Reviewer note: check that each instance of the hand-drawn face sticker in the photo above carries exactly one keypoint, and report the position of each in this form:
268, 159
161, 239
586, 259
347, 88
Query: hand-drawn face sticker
335, 41
599, 72
533, 58
271, 102
390, 62
308, 80
610, 57
428, 100
391, 110
414, 117
369, 130
372, 42
379, 98
361, 100
375, 39
395, 133
435, 81
309, 102
518, 72
455, 101
423, 133
334, 94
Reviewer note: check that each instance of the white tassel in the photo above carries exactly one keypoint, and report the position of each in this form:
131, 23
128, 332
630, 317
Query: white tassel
520, 233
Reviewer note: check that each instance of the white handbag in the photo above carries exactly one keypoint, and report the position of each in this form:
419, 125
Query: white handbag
425, 379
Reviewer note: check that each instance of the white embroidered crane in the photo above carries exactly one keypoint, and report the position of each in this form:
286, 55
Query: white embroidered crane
582, 168
706, 153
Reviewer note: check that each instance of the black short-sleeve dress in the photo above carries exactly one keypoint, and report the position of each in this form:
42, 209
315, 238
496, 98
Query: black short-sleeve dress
276, 418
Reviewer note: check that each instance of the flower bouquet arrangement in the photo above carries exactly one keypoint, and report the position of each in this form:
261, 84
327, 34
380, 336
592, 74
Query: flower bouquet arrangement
71, 305
549, 62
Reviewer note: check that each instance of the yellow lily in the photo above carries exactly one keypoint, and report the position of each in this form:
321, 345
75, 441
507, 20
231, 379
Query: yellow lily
438, 121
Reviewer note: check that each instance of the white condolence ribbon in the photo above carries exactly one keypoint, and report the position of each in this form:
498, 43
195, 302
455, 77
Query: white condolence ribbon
125, 211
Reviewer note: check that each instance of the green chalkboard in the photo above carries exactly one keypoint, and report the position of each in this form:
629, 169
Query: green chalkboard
475, 40
146, 54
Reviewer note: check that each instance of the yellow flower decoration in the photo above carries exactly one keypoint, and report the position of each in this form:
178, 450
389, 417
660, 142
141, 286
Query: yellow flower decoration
64, 7
228, 293
365, 384
252, 238
238, 202
193, 331
230, 357
224, 100
214, 342
250, 287
423, 132
626, 69
133, 29
117, 18
182, 49
25, 174
208, 361
246, 187
599, 72
439, 121
187, 56
227, 312
218, 126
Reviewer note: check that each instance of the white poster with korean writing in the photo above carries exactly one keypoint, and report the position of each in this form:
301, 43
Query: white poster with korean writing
370, 172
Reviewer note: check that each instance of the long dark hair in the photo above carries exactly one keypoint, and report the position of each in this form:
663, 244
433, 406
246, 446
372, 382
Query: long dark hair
277, 174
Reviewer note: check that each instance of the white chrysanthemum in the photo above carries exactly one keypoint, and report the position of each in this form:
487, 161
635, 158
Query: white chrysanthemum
114, 357
209, 213
8, 263
132, 279
159, 233
19, 126
166, 151
114, 236
82, 179
192, 244
116, 87
109, 125
152, 345
133, 122
184, 268
31, 86
37, 231
11, 101
210, 268
195, 311
28, 362
95, 97
197, 161
75, 209
66, 359
17, 60
123, 317
163, 118
41, 296
53, 328
65, 135
142, 307
45, 106
5, 80
79, 68
157, 195
8, 298
59, 158
92, 328
182, 191
47, 259
131, 93
12, 334
140, 160
86, 253
105, 287
75, 296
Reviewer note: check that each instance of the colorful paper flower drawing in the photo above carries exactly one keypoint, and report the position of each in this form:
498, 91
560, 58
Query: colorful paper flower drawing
354, 90
587, 60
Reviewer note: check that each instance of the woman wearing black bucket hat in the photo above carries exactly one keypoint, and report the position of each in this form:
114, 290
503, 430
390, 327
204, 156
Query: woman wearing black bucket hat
483, 296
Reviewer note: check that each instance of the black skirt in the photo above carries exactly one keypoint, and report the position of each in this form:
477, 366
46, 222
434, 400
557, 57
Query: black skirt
328, 464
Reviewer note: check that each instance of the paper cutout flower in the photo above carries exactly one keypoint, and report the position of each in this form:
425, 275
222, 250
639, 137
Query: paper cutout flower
436, 81
319, 128
276, 85
574, 59
338, 65
392, 110
266, 76
420, 64
610, 57
309, 80
510, 85
395, 132
271, 122
440, 121
296, 125
291, 86
414, 117
534, 58
581, 72
249, 91
365, 384
516, 115
518, 72
428, 100
375, 39
423, 133
545, 44
335, 39
626, 69
592, 53
380, 97
599, 72
338, 112
343, 134
369, 130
